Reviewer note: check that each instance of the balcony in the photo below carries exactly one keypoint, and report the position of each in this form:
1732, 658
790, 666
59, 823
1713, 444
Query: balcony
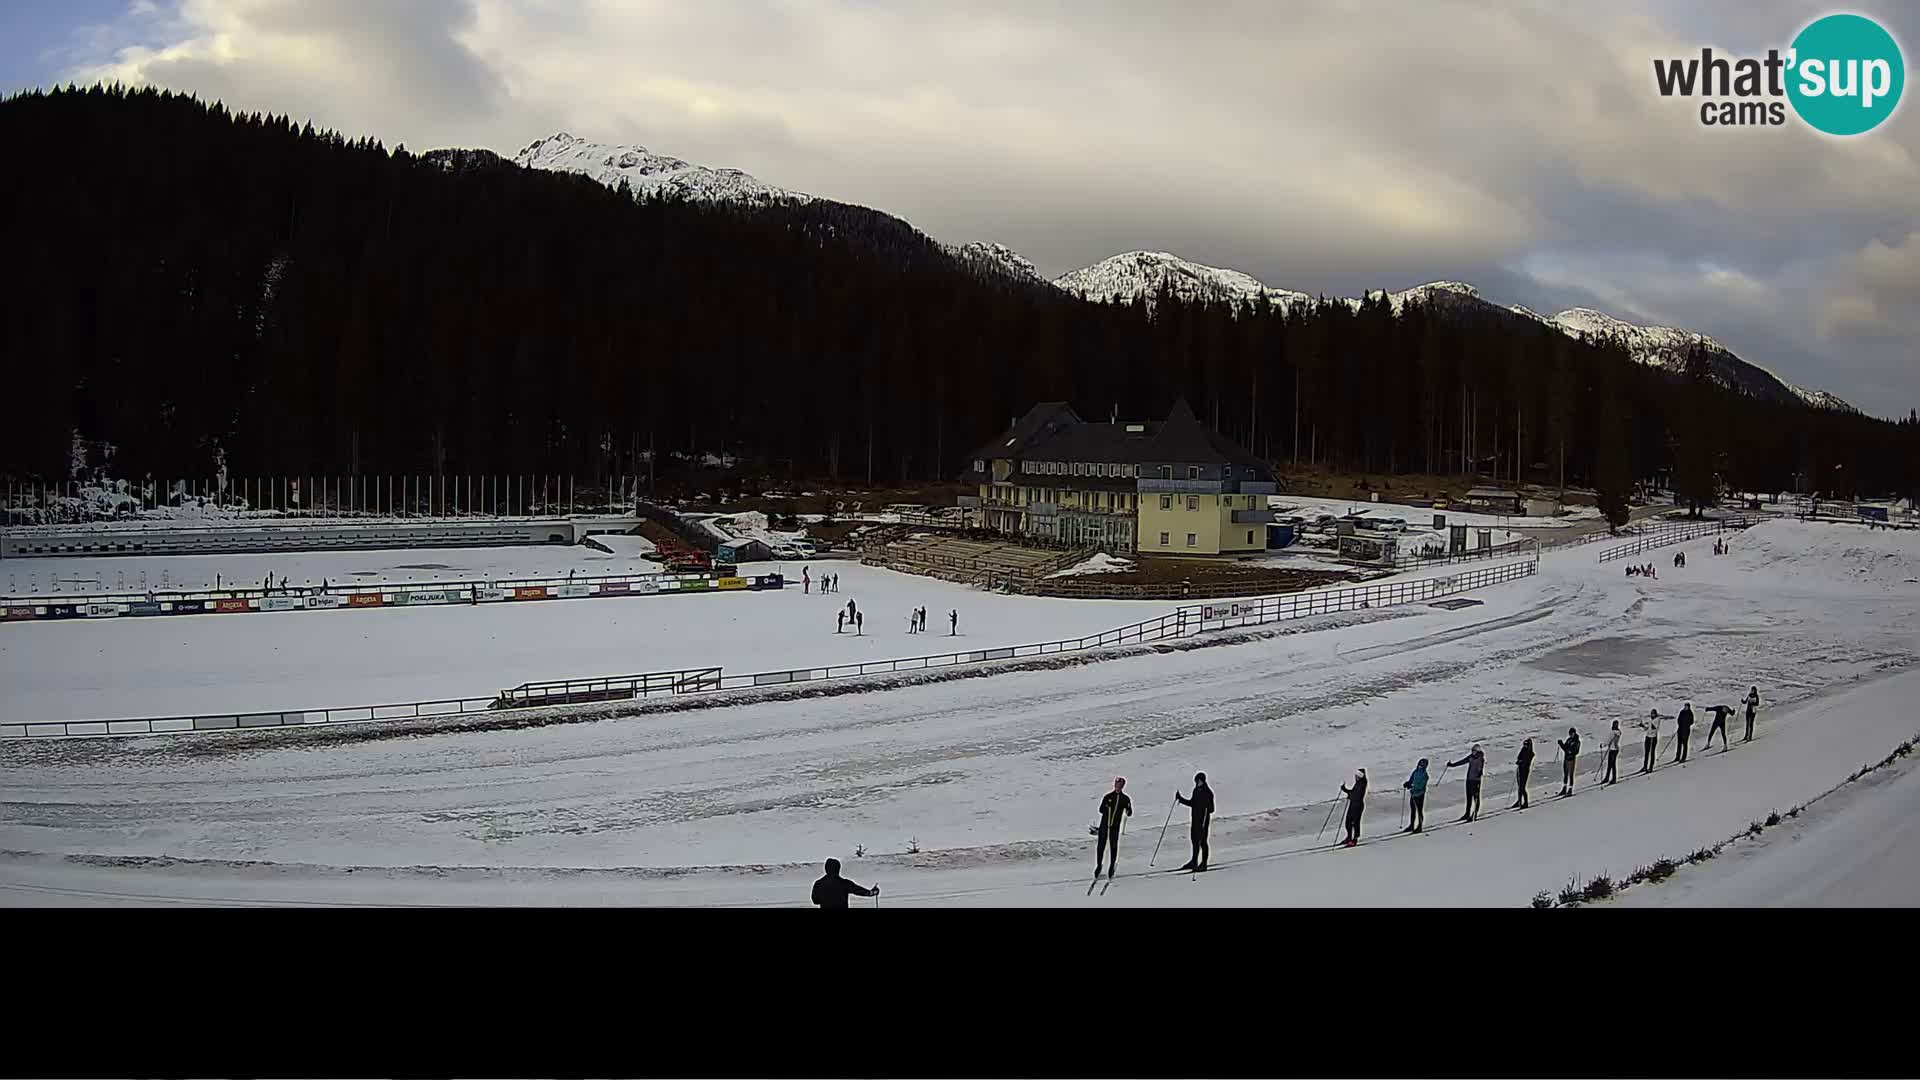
1253, 517
1194, 487
1259, 487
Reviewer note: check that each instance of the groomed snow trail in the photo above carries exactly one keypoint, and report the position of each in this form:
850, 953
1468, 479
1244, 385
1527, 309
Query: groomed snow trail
996, 778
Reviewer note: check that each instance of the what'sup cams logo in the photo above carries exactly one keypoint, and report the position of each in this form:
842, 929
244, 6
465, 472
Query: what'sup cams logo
1843, 75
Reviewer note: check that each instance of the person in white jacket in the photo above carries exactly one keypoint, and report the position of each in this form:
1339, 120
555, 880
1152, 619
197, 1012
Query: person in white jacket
1613, 752
1652, 726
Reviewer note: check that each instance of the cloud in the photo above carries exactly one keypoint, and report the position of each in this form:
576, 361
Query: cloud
1337, 147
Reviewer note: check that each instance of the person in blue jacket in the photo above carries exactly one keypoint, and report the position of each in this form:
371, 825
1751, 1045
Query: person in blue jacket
1416, 786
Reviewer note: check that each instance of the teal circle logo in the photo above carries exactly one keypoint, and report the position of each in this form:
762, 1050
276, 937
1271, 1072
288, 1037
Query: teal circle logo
1847, 74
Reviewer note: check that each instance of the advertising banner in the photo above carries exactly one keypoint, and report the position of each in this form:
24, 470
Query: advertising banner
282, 603
328, 600
570, 592
18, 613
97, 610
143, 607
530, 592
731, 582
365, 600
435, 596
231, 604
487, 593
189, 607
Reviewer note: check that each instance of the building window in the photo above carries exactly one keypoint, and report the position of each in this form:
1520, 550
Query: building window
1193, 502
1193, 540
1166, 472
1163, 540
1166, 503
1249, 536
979, 465
1193, 472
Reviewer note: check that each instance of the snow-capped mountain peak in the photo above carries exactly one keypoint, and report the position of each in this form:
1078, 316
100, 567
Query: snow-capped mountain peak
1141, 274
647, 173
1663, 346
1001, 257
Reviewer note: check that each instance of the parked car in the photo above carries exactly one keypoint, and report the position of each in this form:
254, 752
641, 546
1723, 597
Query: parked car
788, 551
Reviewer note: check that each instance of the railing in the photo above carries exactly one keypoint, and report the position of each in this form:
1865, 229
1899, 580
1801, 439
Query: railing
1183, 622
1674, 533
1404, 559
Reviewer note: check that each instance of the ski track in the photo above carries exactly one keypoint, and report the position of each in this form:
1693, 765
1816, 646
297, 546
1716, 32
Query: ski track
994, 770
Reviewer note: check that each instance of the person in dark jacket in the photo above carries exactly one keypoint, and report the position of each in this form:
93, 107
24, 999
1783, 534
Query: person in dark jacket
1202, 804
1613, 753
1569, 752
1476, 763
1720, 714
1682, 735
832, 890
1115, 807
1522, 765
1356, 803
1752, 702
1416, 786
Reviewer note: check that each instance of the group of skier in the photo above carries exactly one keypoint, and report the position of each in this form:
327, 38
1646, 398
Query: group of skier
829, 583
917, 621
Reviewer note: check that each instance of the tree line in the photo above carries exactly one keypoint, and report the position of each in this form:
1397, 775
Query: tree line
192, 285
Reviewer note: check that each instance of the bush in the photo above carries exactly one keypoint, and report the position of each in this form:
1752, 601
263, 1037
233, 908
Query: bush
1773, 819
1753, 828
913, 846
1599, 888
1659, 869
1700, 856
1571, 894
1543, 899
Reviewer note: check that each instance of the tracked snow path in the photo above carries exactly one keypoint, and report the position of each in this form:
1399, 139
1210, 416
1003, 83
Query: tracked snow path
996, 778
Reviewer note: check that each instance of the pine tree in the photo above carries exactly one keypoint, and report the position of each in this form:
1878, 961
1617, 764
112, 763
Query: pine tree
1612, 472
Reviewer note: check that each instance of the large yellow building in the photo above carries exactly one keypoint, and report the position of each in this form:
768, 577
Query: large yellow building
1172, 486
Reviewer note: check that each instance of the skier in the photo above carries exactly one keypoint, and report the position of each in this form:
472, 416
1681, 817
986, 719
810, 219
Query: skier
1522, 765
806, 581
1652, 725
1720, 714
1114, 808
1569, 749
1476, 763
859, 623
913, 620
1752, 702
1356, 803
1416, 786
840, 622
1202, 805
1685, 724
1613, 752
832, 890
836, 583
953, 630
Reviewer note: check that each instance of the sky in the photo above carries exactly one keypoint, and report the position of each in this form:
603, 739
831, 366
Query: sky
1320, 145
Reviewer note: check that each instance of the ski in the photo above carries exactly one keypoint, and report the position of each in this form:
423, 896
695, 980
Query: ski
1104, 888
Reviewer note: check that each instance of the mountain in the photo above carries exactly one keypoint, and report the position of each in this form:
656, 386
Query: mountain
1141, 275
1000, 258
647, 173
1666, 347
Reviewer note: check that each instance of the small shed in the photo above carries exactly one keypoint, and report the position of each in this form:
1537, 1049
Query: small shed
1493, 500
740, 551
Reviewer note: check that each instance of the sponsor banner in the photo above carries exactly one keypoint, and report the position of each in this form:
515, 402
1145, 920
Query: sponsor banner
189, 607
731, 582
231, 604
530, 592
648, 586
325, 601
613, 588
435, 596
97, 610
365, 600
489, 593
19, 613
693, 585
144, 607
569, 592
64, 611
282, 603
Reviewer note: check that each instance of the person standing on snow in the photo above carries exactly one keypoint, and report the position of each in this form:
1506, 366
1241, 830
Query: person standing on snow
806, 581
1476, 763
1522, 765
1569, 751
1416, 786
953, 630
1356, 804
1752, 702
832, 890
859, 622
1652, 725
839, 621
1115, 807
1202, 805
1613, 753
1685, 726
1720, 714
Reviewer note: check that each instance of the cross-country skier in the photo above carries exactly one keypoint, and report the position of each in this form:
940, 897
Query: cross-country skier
1416, 786
1476, 763
953, 630
1522, 765
839, 621
1115, 807
1685, 726
1356, 803
1202, 804
859, 623
1652, 725
1720, 714
1613, 753
806, 581
832, 890
1752, 702
1569, 750
836, 583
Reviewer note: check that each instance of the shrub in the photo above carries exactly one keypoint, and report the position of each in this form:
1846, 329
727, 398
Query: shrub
1753, 828
1599, 888
1571, 893
1773, 819
1660, 869
1543, 899
913, 846
1701, 855
859, 852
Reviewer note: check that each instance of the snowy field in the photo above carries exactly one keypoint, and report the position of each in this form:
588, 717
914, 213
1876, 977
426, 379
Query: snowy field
994, 779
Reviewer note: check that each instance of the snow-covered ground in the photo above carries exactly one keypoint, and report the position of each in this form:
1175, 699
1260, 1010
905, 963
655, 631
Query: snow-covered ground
995, 778
1098, 563
137, 573
1419, 517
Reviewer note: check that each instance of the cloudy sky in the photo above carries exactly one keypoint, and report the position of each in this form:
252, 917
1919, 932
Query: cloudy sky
1319, 145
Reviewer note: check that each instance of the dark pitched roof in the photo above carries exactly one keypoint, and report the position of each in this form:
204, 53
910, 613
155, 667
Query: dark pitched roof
1052, 431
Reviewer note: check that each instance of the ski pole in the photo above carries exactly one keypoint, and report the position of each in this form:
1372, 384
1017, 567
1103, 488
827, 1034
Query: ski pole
1163, 827
1323, 825
1405, 821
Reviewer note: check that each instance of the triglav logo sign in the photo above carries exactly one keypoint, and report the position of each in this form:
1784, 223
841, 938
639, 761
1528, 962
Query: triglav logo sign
1843, 75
